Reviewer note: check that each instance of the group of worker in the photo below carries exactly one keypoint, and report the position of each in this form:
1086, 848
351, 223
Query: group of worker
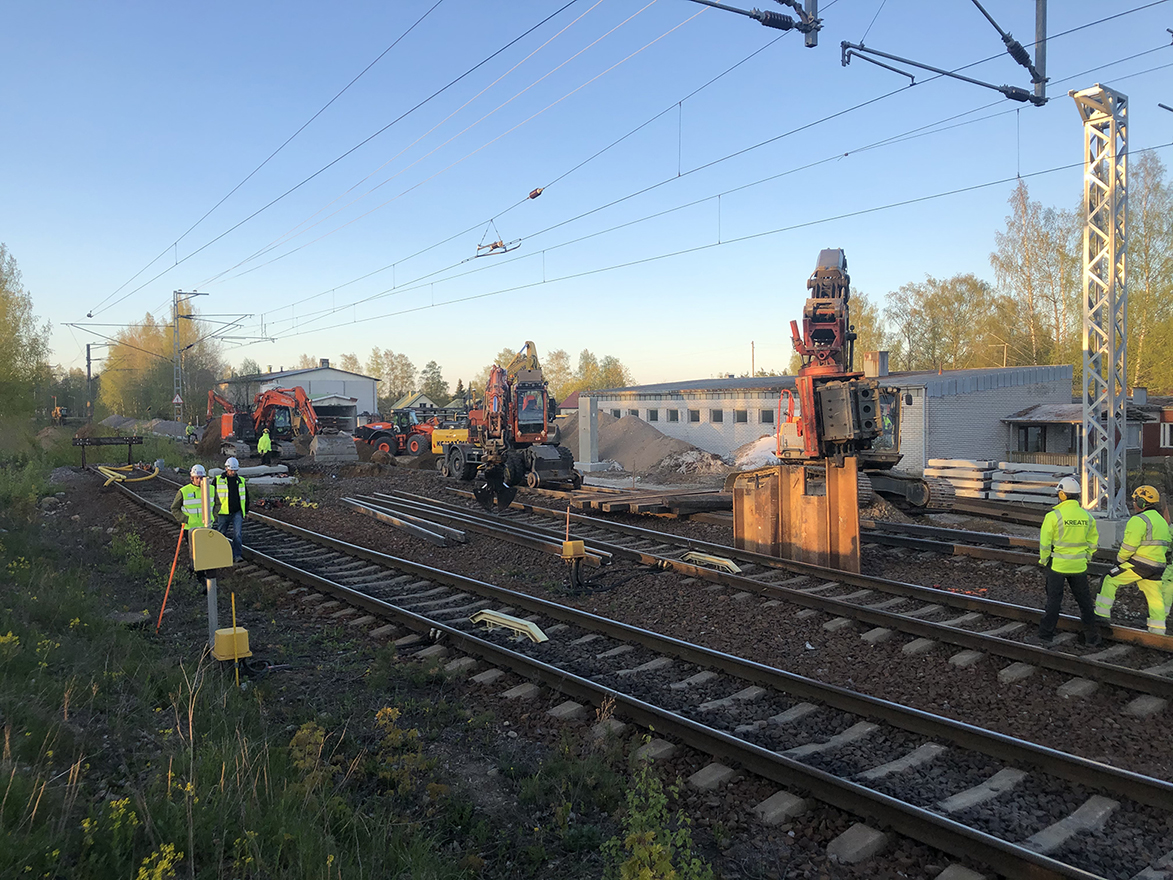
1069, 538
228, 504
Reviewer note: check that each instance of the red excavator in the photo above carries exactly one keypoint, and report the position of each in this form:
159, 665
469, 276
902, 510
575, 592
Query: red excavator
511, 438
286, 412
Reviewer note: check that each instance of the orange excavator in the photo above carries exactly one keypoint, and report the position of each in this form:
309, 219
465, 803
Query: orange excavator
286, 412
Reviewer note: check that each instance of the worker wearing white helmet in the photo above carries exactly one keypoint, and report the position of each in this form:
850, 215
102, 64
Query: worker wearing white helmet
231, 507
1067, 540
187, 506
1141, 560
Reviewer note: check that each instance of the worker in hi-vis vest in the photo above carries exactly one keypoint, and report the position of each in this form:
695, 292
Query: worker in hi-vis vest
1141, 560
231, 506
265, 447
1067, 540
187, 506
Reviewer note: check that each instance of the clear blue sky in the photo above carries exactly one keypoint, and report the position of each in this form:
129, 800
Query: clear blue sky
126, 122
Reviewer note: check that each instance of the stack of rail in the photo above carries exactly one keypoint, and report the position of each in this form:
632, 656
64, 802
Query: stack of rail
970, 478
1029, 483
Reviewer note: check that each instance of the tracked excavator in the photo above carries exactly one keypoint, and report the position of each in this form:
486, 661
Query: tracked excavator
840, 412
511, 438
286, 412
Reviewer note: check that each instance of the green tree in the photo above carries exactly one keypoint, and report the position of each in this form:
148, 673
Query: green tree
350, 363
1150, 273
938, 321
433, 383
556, 369
396, 375
305, 362
24, 344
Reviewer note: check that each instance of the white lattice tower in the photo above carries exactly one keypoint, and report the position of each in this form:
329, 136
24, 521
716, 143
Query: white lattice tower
1105, 303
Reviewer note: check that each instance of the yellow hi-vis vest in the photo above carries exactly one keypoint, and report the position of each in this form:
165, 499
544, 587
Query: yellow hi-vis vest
193, 506
222, 493
265, 444
1068, 537
1146, 540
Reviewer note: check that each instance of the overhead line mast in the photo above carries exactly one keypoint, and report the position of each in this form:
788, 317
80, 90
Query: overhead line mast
807, 23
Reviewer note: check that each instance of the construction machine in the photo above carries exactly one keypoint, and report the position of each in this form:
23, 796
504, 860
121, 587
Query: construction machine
286, 412
842, 413
402, 434
510, 438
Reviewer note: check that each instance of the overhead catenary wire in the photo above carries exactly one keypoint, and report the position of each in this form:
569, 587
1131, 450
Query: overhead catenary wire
268, 159
735, 154
339, 158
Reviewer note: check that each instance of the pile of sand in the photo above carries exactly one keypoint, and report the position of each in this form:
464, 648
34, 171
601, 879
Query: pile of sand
568, 428
209, 444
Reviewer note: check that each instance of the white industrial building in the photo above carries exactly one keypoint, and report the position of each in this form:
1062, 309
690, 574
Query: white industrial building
953, 414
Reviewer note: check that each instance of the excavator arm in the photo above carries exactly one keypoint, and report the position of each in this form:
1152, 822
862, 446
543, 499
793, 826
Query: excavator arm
294, 399
213, 399
526, 359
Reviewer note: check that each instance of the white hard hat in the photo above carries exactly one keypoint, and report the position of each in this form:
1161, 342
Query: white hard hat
197, 470
232, 465
1069, 486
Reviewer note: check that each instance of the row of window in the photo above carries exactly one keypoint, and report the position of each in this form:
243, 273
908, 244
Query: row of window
716, 416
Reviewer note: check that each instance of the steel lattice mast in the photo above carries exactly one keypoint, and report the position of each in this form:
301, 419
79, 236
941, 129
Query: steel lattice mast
1105, 298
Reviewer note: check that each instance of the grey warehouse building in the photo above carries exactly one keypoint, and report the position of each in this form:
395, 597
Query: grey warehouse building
954, 414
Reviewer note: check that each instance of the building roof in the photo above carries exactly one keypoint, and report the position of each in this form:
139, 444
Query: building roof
282, 374
571, 401
416, 398
1064, 414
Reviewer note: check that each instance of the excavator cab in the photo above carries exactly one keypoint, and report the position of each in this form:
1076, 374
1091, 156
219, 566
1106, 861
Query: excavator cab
531, 414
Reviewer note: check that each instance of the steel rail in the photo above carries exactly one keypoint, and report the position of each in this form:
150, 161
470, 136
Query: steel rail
896, 588
915, 822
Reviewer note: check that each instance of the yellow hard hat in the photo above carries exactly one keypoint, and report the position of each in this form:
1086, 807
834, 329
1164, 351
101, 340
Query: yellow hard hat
1146, 496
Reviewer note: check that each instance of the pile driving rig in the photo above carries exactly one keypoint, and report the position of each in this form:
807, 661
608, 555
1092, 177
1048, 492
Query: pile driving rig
841, 413
511, 437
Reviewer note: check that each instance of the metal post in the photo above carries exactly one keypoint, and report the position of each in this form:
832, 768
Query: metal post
1041, 47
178, 373
213, 611
1105, 304
89, 388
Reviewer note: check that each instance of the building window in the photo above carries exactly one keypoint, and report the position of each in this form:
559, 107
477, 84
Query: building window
741, 416
673, 415
1167, 435
716, 415
694, 415
767, 417
618, 413
1030, 438
653, 415
633, 412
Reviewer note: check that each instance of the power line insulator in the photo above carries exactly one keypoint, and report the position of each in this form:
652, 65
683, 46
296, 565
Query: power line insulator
775, 20
537, 192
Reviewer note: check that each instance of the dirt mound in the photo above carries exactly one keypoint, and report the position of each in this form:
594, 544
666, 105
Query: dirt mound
569, 430
209, 445
636, 445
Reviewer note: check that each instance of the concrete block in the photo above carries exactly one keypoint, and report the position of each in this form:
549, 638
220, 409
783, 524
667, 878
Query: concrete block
923, 611
593, 637
965, 659
488, 676
365, 620
856, 732
839, 623
432, 652
344, 613
857, 843
326, 607
312, 599
611, 726
711, 777
960, 872
568, 711
741, 597
383, 632
1078, 688
807, 613
1110, 654
408, 640
693, 680
1090, 816
1016, 672
916, 758
526, 691
918, 646
887, 603
461, 665
852, 597
794, 713
745, 695
615, 652
650, 666
877, 635
781, 806
1146, 705
1003, 780
656, 750
1004, 630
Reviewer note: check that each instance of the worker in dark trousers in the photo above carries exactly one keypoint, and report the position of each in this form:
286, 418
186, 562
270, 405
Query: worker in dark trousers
1067, 540
265, 447
231, 506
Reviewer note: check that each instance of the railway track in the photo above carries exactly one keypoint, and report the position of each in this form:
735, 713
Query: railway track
1024, 810
1134, 660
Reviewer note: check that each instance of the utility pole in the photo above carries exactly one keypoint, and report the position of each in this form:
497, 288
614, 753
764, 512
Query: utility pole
89, 388
177, 297
752, 372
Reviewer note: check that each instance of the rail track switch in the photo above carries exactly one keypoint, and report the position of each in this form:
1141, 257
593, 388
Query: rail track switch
704, 559
573, 550
231, 643
526, 628
210, 549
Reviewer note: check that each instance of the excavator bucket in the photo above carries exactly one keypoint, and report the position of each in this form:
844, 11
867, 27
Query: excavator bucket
494, 492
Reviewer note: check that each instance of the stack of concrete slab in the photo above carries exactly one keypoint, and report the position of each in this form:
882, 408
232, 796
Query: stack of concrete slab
1031, 483
970, 478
